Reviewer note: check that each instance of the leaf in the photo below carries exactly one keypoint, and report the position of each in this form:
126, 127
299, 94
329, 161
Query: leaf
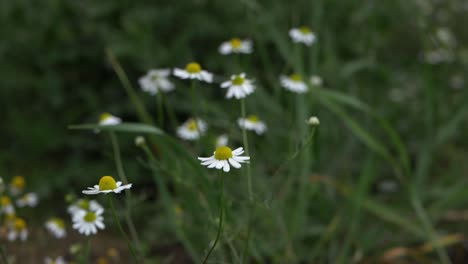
123, 127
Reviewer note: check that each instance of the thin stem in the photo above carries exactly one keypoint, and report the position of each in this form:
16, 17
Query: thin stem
123, 178
3, 254
86, 251
122, 232
246, 147
221, 216
159, 102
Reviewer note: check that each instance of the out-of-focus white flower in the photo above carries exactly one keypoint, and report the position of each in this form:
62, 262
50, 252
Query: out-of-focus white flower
58, 260
445, 37
17, 185
84, 204
302, 35
88, 222
17, 229
107, 184
56, 226
238, 87
222, 140
313, 121
107, 119
439, 55
192, 129
253, 123
6, 206
155, 81
457, 81
294, 83
224, 157
236, 45
29, 199
140, 141
316, 80
193, 70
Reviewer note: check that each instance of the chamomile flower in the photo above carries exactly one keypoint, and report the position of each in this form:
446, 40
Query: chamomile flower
313, 121
17, 229
6, 206
29, 199
316, 80
238, 87
56, 226
192, 129
193, 70
106, 185
236, 45
88, 222
222, 140
84, 204
253, 123
106, 119
155, 81
17, 185
224, 157
294, 83
302, 35
58, 260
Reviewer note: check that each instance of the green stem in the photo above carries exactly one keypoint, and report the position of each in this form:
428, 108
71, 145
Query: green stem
128, 197
122, 232
246, 147
86, 252
3, 254
221, 216
159, 102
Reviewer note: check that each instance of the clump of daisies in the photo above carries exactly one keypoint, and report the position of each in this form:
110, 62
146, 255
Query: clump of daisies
194, 71
192, 129
236, 46
224, 157
302, 35
238, 86
252, 123
155, 81
294, 83
86, 216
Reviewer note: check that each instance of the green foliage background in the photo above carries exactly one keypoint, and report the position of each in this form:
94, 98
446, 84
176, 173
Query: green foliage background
54, 73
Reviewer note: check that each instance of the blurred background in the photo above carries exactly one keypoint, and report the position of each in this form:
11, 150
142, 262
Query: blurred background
390, 69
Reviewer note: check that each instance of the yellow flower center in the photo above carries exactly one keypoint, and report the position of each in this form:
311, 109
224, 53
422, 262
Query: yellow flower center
18, 182
5, 200
253, 118
20, 224
238, 80
305, 30
192, 125
107, 183
90, 217
223, 153
83, 204
104, 116
102, 260
236, 43
59, 222
193, 67
295, 77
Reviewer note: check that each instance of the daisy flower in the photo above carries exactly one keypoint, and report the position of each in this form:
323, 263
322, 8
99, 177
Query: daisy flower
192, 129
106, 119
106, 185
222, 140
253, 123
302, 35
238, 87
29, 199
316, 80
6, 206
224, 157
56, 226
58, 260
17, 230
156, 80
236, 45
84, 204
193, 70
17, 185
88, 222
293, 83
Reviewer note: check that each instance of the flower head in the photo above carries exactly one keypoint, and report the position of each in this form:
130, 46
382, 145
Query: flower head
106, 185
313, 121
84, 204
58, 260
236, 45
155, 81
193, 70
294, 83
316, 80
224, 157
88, 222
253, 123
302, 35
107, 119
17, 185
17, 229
6, 206
192, 129
56, 226
238, 87
29, 199
140, 141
